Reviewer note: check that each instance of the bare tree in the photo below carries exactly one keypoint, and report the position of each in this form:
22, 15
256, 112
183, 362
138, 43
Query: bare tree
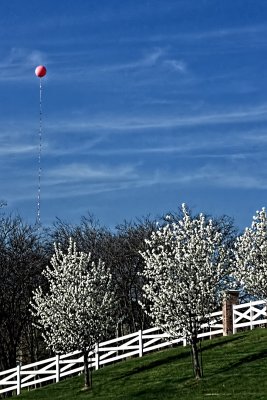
120, 250
126, 266
21, 260
89, 236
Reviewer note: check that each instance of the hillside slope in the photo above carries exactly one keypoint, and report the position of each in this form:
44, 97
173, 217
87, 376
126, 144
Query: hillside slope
234, 367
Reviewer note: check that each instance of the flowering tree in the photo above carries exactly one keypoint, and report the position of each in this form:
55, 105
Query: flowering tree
250, 255
76, 311
185, 265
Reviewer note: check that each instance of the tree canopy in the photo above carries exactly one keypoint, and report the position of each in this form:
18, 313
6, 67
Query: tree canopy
250, 257
185, 264
76, 311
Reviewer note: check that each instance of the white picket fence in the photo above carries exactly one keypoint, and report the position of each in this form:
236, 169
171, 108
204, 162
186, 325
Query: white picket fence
111, 351
249, 315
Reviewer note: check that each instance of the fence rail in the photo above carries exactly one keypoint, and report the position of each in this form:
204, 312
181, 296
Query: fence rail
134, 344
110, 351
249, 315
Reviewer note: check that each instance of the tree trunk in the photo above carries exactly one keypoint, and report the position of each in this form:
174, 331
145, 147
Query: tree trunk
195, 358
87, 372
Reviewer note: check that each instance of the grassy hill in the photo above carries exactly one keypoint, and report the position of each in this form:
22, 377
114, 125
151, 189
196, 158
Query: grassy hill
234, 367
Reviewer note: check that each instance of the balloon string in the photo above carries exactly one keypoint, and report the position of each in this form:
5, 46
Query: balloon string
38, 219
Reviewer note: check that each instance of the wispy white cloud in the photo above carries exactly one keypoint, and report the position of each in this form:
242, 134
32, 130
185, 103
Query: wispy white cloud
225, 32
233, 176
149, 60
135, 123
208, 177
176, 65
94, 136
25, 60
153, 57
71, 180
249, 30
17, 62
21, 57
256, 137
75, 172
80, 179
200, 178
224, 178
17, 149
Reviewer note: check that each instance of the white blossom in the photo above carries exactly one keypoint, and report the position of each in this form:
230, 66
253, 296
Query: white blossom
185, 263
250, 257
76, 311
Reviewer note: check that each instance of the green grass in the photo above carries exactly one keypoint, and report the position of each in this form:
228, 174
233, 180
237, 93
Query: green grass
234, 367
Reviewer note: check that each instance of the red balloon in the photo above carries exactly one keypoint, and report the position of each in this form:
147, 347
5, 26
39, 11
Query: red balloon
40, 71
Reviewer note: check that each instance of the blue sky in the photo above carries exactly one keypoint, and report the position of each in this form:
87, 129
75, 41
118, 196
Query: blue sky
146, 105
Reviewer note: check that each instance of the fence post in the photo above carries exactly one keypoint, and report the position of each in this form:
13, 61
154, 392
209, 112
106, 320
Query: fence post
231, 298
18, 379
57, 369
140, 343
251, 316
96, 357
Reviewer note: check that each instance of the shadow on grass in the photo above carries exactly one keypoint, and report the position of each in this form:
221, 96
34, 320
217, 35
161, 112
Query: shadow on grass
177, 357
244, 360
154, 364
221, 343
